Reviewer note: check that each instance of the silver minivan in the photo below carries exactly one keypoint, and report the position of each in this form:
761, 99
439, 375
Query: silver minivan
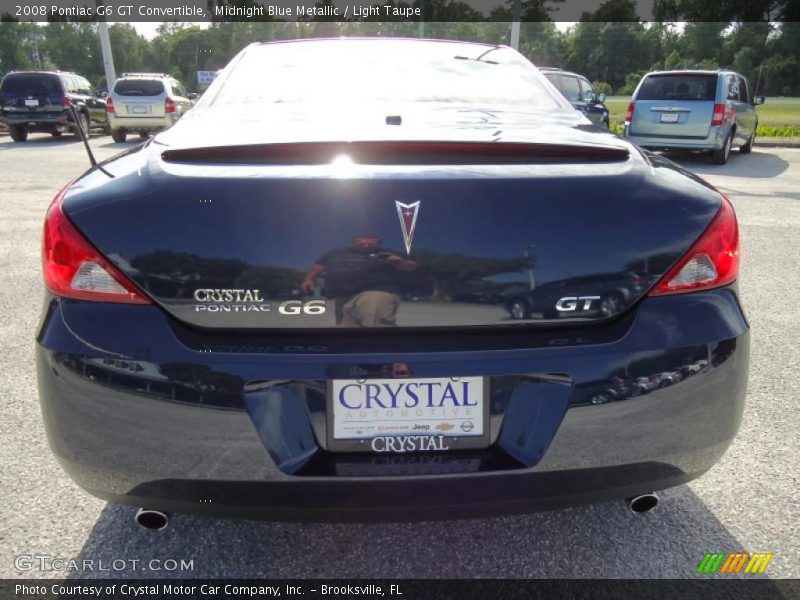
144, 103
710, 111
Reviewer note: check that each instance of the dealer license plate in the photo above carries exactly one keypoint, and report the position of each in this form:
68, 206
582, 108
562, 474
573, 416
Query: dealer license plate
669, 117
408, 415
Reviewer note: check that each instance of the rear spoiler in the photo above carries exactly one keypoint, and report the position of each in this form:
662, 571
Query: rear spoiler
397, 153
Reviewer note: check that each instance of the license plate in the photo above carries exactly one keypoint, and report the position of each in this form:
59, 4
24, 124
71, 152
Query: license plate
31, 102
408, 415
137, 110
669, 117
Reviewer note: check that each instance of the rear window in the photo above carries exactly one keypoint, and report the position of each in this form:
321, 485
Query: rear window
139, 87
31, 84
382, 71
678, 87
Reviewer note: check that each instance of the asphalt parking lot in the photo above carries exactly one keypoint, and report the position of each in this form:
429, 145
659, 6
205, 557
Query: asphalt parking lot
748, 502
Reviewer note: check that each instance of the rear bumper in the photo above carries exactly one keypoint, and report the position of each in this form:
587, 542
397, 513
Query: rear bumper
141, 123
137, 414
715, 140
37, 121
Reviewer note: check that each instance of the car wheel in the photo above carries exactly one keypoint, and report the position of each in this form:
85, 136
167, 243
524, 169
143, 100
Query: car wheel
118, 135
83, 123
748, 147
720, 157
519, 310
55, 133
601, 398
17, 133
143, 135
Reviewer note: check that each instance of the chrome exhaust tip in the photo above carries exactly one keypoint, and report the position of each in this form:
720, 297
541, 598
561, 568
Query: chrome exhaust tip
644, 503
155, 520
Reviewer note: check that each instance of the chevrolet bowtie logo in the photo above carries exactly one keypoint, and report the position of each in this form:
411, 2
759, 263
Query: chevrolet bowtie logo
408, 214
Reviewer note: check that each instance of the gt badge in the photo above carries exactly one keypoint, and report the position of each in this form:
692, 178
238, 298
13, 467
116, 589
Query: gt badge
408, 221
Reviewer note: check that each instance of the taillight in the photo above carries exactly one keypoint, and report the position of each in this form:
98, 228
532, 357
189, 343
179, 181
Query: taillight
169, 105
713, 260
73, 268
722, 114
66, 102
629, 114
109, 105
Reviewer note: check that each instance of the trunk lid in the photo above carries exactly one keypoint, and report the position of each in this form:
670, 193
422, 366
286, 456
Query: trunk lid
270, 243
675, 105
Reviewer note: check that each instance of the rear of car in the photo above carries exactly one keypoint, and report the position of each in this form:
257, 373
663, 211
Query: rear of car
34, 102
41, 101
709, 111
289, 322
581, 94
144, 104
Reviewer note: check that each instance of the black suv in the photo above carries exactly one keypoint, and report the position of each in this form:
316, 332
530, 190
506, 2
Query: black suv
39, 101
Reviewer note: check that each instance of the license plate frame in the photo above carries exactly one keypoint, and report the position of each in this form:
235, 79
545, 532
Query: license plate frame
669, 117
452, 441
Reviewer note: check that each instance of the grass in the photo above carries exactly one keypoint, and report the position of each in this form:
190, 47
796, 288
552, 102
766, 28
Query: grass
774, 120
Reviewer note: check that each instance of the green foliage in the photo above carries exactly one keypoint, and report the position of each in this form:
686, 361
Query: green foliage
609, 45
631, 81
601, 87
617, 128
782, 131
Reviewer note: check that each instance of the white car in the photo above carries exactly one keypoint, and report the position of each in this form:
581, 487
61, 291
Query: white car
145, 103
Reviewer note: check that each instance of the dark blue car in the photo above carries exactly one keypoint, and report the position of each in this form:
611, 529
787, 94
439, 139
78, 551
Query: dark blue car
276, 307
581, 94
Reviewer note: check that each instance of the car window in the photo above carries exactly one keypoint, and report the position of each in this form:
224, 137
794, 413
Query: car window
732, 87
554, 78
84, 87
178, 88
381, 71
31, 84
139, 87
570, 88
683, 86
744, 93
587, 92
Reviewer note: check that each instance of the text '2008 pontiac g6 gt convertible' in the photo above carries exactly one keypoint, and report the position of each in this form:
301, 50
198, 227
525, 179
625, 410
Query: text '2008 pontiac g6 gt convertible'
296, 303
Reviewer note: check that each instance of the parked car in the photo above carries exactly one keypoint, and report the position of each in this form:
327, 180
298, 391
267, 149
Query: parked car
711, 111
144, 103
39, 101
183, 255
581, 94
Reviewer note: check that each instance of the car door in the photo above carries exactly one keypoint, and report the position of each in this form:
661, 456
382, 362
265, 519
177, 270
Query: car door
746, 116
593, 109
180, 96
571, 88
96, 106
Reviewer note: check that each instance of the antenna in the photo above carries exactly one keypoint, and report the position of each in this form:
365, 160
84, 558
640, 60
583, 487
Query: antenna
83, 135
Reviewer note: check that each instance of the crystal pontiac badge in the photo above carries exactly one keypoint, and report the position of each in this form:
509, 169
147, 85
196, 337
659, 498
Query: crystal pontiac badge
408, 221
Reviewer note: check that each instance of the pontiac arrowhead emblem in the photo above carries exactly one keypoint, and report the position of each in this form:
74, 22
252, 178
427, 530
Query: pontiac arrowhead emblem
408, 221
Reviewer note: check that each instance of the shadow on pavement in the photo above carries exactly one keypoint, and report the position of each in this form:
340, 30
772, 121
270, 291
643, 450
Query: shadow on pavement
598, 541
757, 164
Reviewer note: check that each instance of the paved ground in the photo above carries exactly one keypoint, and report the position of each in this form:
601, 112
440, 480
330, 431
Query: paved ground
749, 501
